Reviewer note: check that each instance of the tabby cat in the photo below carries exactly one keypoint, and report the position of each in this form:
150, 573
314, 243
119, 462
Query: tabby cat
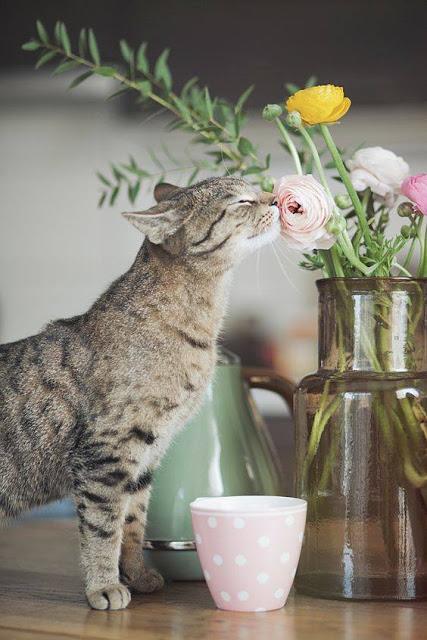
89, 405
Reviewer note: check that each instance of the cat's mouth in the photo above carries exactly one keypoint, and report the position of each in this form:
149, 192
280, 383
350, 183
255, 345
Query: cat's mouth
267, 235
269, 225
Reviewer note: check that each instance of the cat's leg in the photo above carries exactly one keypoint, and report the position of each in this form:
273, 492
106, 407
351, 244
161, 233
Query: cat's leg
132, 569
101, 511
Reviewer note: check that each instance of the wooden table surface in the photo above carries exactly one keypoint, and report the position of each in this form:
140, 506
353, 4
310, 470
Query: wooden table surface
41, 597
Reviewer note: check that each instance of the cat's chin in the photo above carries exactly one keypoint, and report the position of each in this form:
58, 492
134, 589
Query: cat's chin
268, 236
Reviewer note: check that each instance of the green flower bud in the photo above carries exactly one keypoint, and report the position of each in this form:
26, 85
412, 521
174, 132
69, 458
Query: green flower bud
405, 231
267, 184
336, 225
272, 111
384, 217
405, 209
294, 119
343, 201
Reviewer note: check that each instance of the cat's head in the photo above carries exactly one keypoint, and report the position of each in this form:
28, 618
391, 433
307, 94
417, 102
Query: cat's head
219, 217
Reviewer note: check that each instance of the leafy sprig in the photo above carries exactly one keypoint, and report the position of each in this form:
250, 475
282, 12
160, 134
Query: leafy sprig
213, 122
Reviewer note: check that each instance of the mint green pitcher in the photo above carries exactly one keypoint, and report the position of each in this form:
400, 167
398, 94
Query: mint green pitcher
224, 450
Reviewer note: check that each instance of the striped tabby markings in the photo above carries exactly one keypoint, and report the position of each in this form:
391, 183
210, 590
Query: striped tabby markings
143, 481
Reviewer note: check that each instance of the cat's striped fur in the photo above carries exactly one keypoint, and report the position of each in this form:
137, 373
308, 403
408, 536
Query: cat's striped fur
89, 405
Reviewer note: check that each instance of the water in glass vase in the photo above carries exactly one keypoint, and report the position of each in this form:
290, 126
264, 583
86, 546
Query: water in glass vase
361, 438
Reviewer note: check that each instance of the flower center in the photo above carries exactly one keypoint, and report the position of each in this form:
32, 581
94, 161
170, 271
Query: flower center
295, 207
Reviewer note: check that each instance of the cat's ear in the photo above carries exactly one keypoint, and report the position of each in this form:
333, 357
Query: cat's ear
157, 223
164, 190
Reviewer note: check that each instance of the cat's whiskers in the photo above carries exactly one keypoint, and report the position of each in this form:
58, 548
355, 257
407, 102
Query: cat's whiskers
285, 273
257, 264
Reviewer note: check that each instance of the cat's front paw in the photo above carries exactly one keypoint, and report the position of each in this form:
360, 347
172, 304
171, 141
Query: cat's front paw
113, 597
149, 580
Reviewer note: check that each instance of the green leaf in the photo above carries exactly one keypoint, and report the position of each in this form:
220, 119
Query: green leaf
252, 170
57, 32
65, 40
45, 58
311, 82
32, 45
161, 70
105, 71
291, 88
208, 102
241, 101
42, 32
245, 146
117, 174
65, 66
155, 159
102, 199
114, 194
133, 191
118, 93
81, 78
82, 43
141, 59
93, 48
193, 176
188, 85
127, 52
144, 87
103, 179
183, 109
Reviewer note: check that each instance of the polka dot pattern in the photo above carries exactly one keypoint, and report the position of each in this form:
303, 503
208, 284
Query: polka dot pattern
218, 560
249, 562
238, 523
262, 578
264, 542
240, 560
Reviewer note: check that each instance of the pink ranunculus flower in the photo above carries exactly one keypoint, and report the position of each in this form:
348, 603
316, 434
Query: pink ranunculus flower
415, 188
305, 210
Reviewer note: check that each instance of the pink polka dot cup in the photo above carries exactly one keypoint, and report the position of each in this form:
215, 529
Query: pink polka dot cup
249, 548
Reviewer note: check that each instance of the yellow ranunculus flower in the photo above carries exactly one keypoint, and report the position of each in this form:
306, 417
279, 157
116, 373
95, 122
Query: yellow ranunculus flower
322, 104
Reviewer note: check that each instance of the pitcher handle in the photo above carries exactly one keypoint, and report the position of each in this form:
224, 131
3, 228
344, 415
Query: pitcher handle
260, 378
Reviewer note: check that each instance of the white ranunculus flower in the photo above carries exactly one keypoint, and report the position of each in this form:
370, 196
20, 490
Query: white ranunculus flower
305, 209
381, 170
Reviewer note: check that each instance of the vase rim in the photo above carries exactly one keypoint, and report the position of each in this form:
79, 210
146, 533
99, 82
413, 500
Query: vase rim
372, 278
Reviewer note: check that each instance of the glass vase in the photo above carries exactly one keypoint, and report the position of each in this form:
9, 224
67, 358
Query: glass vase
361, 438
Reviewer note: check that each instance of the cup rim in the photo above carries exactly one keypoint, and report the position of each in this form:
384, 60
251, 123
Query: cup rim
248, 505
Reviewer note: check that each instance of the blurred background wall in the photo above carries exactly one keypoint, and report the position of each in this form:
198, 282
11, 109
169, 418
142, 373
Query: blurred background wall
58, 251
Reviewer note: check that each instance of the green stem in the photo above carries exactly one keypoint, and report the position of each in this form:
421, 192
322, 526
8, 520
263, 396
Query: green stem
412, 245
339, 271
350, 254
348, 184
291, 146
316, 158
328, 266
344, 240
365, 200
402, 269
